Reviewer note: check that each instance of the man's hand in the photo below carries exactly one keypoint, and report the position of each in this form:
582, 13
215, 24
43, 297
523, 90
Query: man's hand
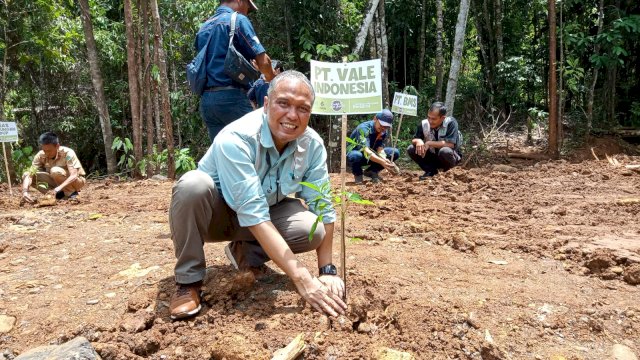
387, 164
320, 297
334, 283
421, 148
26, 197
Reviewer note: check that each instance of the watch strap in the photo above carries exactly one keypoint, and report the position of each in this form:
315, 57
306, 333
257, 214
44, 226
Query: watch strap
328, 269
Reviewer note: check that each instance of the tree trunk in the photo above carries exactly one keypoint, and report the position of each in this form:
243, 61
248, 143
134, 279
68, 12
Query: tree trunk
98, 85
164, 89
287, 27
384, 53
423, 46
485, 60
490, 35
146, 88
366, 22
553, 93
561, 80
498, 31
594, 79
610, 107
439, 55
456, 55
3, 92
373, 42
134, 91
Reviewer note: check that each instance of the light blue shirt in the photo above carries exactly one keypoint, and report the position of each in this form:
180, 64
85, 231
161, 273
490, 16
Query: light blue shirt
251, 175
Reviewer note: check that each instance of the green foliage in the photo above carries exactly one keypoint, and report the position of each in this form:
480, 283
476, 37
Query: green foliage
327, 197
158, 161
22, 159
321, 52
127, 161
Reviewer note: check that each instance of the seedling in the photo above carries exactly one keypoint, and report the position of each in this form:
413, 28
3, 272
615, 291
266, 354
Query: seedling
326, 197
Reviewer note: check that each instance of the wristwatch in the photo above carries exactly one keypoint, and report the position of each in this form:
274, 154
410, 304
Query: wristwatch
328, 269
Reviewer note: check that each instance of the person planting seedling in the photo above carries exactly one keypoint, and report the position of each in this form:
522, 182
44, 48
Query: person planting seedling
368, 139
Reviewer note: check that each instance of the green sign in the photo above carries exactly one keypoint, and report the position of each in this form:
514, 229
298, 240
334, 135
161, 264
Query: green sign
347, 88
405, 104
8, 132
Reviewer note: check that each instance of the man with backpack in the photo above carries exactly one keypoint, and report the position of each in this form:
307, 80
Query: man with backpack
223, 99
436, 143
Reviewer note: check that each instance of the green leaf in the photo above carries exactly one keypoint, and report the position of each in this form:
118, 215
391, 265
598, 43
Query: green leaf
311, 186
94, 216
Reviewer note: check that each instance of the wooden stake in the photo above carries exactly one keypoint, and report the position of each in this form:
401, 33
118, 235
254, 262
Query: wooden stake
343, 203
291, 351
395, 143
6, 164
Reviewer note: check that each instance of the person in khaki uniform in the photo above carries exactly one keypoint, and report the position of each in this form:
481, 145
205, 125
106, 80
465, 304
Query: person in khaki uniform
58, 167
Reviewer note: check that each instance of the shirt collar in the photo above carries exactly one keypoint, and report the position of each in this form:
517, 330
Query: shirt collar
224, 8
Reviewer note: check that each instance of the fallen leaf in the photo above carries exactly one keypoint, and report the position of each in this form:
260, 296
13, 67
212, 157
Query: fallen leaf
136, 270
95, 216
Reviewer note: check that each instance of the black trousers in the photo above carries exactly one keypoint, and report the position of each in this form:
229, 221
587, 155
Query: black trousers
444, 158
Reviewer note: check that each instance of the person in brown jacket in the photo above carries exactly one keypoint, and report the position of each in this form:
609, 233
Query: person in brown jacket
56, 166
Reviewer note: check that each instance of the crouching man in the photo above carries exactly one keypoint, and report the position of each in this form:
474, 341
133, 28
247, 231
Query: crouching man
56, 166
436, 143
239, 194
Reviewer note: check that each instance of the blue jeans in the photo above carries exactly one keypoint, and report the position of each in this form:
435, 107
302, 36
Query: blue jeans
219, 108
356, 160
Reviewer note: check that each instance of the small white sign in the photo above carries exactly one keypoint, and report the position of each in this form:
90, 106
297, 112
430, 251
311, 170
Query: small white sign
8, 132
405, 104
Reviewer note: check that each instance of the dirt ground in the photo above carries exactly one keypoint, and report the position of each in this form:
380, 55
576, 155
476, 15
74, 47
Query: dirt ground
527, 261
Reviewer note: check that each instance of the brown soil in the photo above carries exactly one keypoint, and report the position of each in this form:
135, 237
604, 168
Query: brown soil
530, 262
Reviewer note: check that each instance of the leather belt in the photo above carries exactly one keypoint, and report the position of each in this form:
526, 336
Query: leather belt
221, 88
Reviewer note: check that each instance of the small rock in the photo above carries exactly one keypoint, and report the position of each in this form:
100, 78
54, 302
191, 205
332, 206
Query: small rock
136, 323
616, 270
504, 168
622, 352
26, 222
159, 177
385, 353
560, 257
460, 242
366, 328
79, 348
92, 301
6, 323
632, 274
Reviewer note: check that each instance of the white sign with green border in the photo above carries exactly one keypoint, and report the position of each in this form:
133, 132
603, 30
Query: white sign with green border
8, 132
347, 88
405, 104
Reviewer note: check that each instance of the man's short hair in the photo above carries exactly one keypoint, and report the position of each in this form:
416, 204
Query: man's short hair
440, 107
48, 138
291, 75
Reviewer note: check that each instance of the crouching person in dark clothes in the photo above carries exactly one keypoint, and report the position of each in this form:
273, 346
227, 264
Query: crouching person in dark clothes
436, 143
239, 194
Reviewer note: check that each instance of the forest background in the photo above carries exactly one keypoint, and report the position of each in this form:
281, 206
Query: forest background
109, 76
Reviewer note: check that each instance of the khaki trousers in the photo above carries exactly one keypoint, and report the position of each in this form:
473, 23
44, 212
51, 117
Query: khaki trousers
55, 177
199, 214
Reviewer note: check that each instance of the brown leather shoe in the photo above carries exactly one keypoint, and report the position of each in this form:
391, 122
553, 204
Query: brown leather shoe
185, 302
